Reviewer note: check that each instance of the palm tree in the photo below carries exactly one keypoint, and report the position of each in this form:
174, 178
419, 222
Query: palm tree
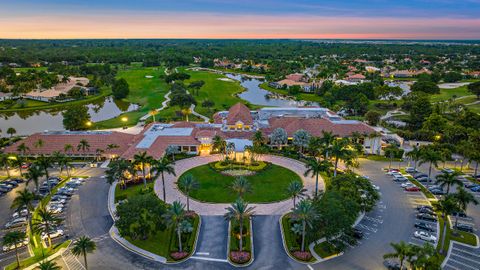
82, 246
463, 198
39, 143
18, 162
174, 216
45, 222
327, 140
5, 161
142, 159
67, 148
315, 167
84, 146
431, 156
219, 144
339, 151
161, 167
402, 251
186, 112
14, 238
25, 199
446, 206
117, 171
48, 265
241, 186
45, 163
188, 183
239, 211
415, 156
296, 190
23, 149
112, 146
64, 163
448, 179
34, 174
304, 212
258, 138
153, 113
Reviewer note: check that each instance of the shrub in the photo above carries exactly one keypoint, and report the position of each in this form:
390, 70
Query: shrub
240, 257
303, 256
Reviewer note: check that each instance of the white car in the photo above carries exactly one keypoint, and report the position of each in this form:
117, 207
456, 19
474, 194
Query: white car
376, 187
18, 222
425, 236
53, 234
408, 184
12, 247
21, 213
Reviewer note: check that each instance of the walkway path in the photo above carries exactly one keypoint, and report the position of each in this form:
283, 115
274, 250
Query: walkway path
192, 109
164, 105
278, 208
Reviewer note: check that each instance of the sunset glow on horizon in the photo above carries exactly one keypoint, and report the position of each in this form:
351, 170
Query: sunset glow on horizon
225, 19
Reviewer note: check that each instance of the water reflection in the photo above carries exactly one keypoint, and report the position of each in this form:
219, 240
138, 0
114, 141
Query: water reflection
258, 96
32, 121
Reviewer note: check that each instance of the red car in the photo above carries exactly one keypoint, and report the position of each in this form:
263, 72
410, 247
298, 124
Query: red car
25, 165
412, 189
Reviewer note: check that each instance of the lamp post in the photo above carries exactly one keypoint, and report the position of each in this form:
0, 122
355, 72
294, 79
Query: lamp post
124, 120
88, 124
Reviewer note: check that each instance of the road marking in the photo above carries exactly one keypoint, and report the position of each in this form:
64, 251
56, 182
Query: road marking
453, 260
466, 258
367, 228
464, 251
203, 253
310, 267
208, 259
376, 220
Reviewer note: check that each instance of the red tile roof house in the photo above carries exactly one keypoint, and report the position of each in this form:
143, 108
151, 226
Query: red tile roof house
236, 125
356, 78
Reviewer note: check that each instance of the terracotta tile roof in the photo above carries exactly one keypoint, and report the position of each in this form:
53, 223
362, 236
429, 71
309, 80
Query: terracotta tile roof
157, 149
239, 112
315, 126
57, 141
217, 118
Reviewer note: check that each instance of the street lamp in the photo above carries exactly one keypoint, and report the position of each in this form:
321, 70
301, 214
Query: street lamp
89, 123
124, 120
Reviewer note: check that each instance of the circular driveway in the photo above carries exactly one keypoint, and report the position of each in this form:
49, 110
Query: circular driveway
213, 209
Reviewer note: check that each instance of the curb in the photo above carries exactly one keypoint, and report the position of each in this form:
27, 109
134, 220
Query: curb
252, 253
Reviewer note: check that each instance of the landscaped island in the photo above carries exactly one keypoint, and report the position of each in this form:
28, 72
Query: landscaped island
268, 182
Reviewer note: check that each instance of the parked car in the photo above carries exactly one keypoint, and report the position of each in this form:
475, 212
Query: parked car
25, 165
4, 189
21, 213
392, 171
17, 222
424, 226
464, 227
59, 197
392, 265
426, 211
11, 183
425, 236
475, 189
471, 185
357, 233
459, 214
415, 188
12, 247
18, 180
410, 170
407, 184
420, 175
53, 234
424, 207
400, 179
447, 170
6, 186
437, 192
427, 217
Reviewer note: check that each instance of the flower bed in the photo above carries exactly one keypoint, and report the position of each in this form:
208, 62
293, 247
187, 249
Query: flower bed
230, 165
238, 172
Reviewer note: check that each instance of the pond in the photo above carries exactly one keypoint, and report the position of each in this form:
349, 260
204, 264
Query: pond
258, 96
32, 121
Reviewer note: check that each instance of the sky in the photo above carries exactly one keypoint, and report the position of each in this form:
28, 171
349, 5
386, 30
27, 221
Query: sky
298, 19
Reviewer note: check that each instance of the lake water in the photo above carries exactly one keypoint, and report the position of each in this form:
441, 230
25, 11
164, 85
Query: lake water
29, 122
258, 96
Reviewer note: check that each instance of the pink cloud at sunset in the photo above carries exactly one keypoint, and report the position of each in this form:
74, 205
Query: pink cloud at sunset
212, 25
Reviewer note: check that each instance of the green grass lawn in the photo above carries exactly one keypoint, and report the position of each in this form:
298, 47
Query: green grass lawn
325, 249
131, 190
235, 239
268, 185
446, 94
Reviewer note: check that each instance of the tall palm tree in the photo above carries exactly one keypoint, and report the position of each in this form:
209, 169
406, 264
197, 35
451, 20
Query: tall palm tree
25, 199
14, 238
23, 149
401, 251
186, 112
339, 151
241, 186
296, 190
258, 138
161, 167
188, 183
415, 154
431, 156
67, 148
65, 163
304, 212
84, 146
48, 265
83, 246
143, 159
45, 163
463, 198
174, 216
327, 140
449, 179
34, 174
446, 206
17, 161
117, 170
5, 162
239, 211
315, 167
219, 144
45, 222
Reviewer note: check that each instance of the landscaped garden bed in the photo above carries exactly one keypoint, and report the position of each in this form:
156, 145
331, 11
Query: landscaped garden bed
267, 185
293, 241
325, 250
235, 255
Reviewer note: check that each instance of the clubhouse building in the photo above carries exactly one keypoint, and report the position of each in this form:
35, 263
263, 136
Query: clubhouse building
236, 126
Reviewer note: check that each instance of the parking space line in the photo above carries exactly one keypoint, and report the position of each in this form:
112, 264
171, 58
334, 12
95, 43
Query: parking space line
453, 260
464, 251
465, 258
